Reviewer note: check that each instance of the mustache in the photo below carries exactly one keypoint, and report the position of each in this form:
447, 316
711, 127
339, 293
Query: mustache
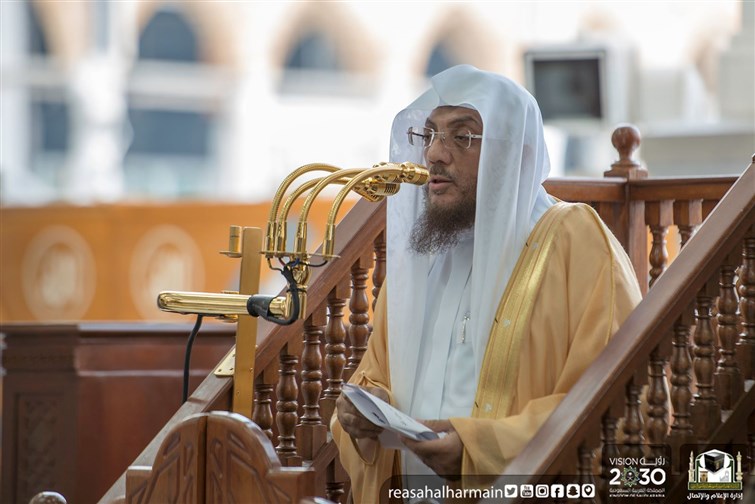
436, 170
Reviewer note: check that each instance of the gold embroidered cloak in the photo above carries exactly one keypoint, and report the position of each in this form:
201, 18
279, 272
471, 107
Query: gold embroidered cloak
572, 287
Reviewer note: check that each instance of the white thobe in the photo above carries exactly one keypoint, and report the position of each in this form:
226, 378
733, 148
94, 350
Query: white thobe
445, 381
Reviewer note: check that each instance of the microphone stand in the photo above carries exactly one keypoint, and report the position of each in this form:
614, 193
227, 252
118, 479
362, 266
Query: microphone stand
374, 184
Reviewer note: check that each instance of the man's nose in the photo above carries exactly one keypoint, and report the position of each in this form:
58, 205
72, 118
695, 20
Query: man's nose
437, 153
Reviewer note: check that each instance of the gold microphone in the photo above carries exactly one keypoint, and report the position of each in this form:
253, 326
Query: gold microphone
373, 184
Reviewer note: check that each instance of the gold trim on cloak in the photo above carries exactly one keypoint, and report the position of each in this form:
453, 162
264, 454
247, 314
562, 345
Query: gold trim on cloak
497, 383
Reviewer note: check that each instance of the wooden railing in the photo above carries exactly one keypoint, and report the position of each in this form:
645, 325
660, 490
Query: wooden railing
634, 206
292, 374
658, 205
295, 388
698, 323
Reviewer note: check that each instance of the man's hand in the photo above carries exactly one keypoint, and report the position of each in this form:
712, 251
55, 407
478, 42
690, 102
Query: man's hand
441, 455
353, 422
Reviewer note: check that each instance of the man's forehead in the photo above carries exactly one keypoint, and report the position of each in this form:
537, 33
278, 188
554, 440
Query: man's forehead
448, 114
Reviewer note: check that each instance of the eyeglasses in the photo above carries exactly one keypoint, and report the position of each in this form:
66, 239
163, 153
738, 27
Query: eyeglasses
460, 138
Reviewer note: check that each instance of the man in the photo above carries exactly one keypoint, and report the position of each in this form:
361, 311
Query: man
498, 297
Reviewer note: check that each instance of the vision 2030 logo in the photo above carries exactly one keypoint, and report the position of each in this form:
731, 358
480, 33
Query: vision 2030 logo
637, 476
715, 470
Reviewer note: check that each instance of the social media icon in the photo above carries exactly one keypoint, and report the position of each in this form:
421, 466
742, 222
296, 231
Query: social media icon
527, 491
588, 490
511, 491
542, 491
557, 490
572, 491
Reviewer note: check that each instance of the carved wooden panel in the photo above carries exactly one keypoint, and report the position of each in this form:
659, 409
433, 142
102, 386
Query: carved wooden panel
39, 419
69, 396
242, 465
177, 473
217, 457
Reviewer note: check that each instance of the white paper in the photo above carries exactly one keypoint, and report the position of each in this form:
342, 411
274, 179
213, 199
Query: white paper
394, 422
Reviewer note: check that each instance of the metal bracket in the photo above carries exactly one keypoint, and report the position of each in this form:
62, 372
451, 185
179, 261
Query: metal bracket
226, 366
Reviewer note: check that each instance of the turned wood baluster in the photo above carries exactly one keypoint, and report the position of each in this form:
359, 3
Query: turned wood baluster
334, 490
584, 469
729, 382
658, 253
685, 233
657, 397
633, 437
628, 223
708, 206
335, 348
705, 410
359, 305
659, 216
334, 482
610, 451
746, 343
378, 273
687, 216
681, 393
286, 407
311, 372
262, 412
311, 433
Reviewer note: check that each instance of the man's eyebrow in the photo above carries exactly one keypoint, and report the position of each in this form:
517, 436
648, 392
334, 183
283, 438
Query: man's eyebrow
457, 121
464, 119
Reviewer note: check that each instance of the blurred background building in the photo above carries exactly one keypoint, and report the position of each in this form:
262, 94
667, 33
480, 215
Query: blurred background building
147, 102
133, 133
105, 101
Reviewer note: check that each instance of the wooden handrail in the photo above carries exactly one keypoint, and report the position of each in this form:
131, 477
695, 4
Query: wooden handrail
578, 416
587, 189
672, 188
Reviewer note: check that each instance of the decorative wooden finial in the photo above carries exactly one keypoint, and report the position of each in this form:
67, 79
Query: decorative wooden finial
48, 498
626, 140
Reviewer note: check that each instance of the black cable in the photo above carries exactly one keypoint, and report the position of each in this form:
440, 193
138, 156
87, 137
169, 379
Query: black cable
187, 357
293, 288
259, 306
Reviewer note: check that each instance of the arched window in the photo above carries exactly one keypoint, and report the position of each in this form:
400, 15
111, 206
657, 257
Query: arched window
168, 36
169, 132
36, 36
313, 65
170, 143
48, 109
313, 51
440, 59
50, 124
49, 117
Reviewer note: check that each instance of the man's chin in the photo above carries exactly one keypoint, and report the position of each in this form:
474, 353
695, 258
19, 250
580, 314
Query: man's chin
442, 202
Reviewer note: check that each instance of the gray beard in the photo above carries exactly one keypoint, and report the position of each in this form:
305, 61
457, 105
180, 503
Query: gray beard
439, 229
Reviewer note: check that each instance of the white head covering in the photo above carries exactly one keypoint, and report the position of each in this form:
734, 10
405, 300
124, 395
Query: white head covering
510, 199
